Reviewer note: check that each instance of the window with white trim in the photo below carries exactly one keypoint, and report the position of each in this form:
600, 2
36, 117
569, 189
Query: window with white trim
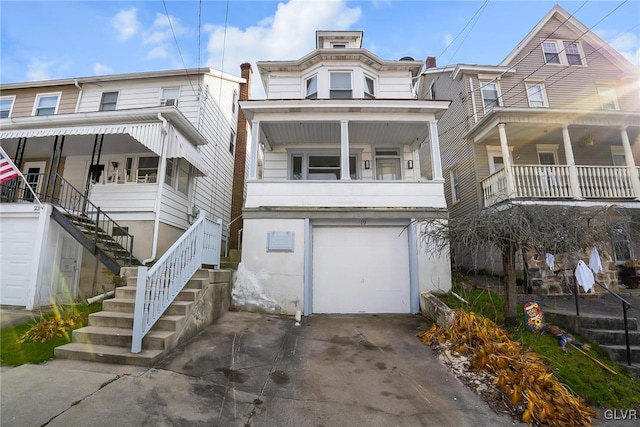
6, 106
46, 104
311, 85
234, 101
232, 142
455, 185
563, 52
388, 164
108, 101
147, 170
178, 175
536, 94
369, 87
608, 98
432, 89
320, 166
547, 154
496, 159
490, 95
170, 96
617, 156
340, 85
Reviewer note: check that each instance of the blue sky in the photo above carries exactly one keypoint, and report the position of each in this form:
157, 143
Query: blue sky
63, 39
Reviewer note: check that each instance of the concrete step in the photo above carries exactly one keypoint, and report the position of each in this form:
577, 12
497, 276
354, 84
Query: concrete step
119, 337
232, 265
108, 354
120, 305
611, 336
129, 292
589, 321
618, 353
113, 319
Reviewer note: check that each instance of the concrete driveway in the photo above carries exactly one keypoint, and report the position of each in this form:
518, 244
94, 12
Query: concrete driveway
258, 370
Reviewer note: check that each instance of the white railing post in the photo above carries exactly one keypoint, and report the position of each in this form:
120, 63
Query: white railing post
138, 315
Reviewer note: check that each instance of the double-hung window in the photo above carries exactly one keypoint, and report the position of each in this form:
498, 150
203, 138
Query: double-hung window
320, 166
6, 106
369, 87
490, 95
608, 98
617, 156
572, 52
536, 95
170, 96
562, 52
311, 85
147, 169
550, 50
340, 85
46, 104
108, 101
455, 185
178, 175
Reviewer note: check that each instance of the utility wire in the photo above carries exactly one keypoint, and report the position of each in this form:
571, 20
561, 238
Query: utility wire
184, 65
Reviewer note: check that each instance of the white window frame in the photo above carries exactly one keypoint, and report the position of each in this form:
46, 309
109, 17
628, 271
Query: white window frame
495, 151
542, 91
169, 100
12, 98
350, 89
305, 154
146, 179
432, 90
607, 95
368, 95
546, 149
234, 100
384, 154
176, 169
46, 95
561, 52
117, 92
312, 95
455, 185
483, 85
618, 151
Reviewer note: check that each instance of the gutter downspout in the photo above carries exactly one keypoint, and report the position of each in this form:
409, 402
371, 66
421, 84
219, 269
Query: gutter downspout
79, 95
161, 173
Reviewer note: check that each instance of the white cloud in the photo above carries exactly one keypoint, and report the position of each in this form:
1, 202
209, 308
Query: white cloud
628, 44
287, 35
101, 69
126, 23
160, 36
39, 69
158, 52
448, 39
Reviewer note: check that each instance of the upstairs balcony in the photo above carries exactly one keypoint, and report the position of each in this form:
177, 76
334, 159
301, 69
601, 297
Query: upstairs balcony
560, 182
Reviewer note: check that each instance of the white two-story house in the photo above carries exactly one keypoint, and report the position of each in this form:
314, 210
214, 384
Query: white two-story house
139, 154
334, 192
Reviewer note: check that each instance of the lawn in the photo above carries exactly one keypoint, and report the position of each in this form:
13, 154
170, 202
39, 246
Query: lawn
580, 374
13, 352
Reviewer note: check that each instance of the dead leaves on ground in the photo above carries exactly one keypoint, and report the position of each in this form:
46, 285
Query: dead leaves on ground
530, 386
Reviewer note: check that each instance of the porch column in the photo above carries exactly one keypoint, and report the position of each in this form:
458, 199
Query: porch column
506, 158
571, 162
436, 162
631, 164
344, 150
255, 139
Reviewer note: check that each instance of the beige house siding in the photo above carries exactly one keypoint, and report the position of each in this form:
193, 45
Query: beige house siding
25, 99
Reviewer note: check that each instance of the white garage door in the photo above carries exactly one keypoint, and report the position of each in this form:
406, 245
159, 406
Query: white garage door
360, 270
17, 240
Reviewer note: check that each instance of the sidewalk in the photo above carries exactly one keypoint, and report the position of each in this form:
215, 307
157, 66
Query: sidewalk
12, 316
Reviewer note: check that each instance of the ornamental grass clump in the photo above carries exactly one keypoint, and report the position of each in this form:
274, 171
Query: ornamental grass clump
528, 384
60, 324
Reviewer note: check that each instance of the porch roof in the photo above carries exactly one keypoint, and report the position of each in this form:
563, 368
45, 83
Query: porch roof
144, 125
487, 126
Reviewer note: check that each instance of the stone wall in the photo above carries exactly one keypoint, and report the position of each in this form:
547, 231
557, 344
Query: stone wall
546, 282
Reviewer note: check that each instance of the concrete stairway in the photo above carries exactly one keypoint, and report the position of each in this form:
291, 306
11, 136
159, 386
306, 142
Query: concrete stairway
607, 331
107, 338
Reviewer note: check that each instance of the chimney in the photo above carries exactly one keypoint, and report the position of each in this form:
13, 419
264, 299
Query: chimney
431, 62
240, 160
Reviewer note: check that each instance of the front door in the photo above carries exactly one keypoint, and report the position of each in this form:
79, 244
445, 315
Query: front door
34, 174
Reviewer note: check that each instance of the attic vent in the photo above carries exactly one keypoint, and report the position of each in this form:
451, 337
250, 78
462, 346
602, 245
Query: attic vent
168, 102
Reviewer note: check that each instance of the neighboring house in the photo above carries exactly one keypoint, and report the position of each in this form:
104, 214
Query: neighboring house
556, 122
329, 216
150, 150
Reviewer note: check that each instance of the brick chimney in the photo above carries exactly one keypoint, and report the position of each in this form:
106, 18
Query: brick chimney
431, 62
240, 159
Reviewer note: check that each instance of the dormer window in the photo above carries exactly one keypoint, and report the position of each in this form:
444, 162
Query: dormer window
312, 87
108, 101
46, 104
170, 96
369, 87
340, 85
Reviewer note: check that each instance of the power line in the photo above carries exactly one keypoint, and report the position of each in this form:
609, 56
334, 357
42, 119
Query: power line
184, 65
462, 30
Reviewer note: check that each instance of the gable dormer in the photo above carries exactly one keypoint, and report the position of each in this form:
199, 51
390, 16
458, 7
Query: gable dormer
338, 39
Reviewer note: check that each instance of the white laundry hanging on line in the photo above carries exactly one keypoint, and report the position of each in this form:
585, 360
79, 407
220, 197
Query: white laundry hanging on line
594, 261
584, 276
550, 261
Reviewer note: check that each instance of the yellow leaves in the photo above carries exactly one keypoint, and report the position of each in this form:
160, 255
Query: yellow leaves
58, 325
520, 374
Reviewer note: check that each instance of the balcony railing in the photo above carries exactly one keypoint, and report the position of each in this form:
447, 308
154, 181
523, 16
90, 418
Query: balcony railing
554, 182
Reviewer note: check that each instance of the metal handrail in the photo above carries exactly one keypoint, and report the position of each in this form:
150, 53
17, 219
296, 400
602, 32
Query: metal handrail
626, 305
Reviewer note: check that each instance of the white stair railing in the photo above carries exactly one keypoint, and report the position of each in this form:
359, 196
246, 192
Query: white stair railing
158, 286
